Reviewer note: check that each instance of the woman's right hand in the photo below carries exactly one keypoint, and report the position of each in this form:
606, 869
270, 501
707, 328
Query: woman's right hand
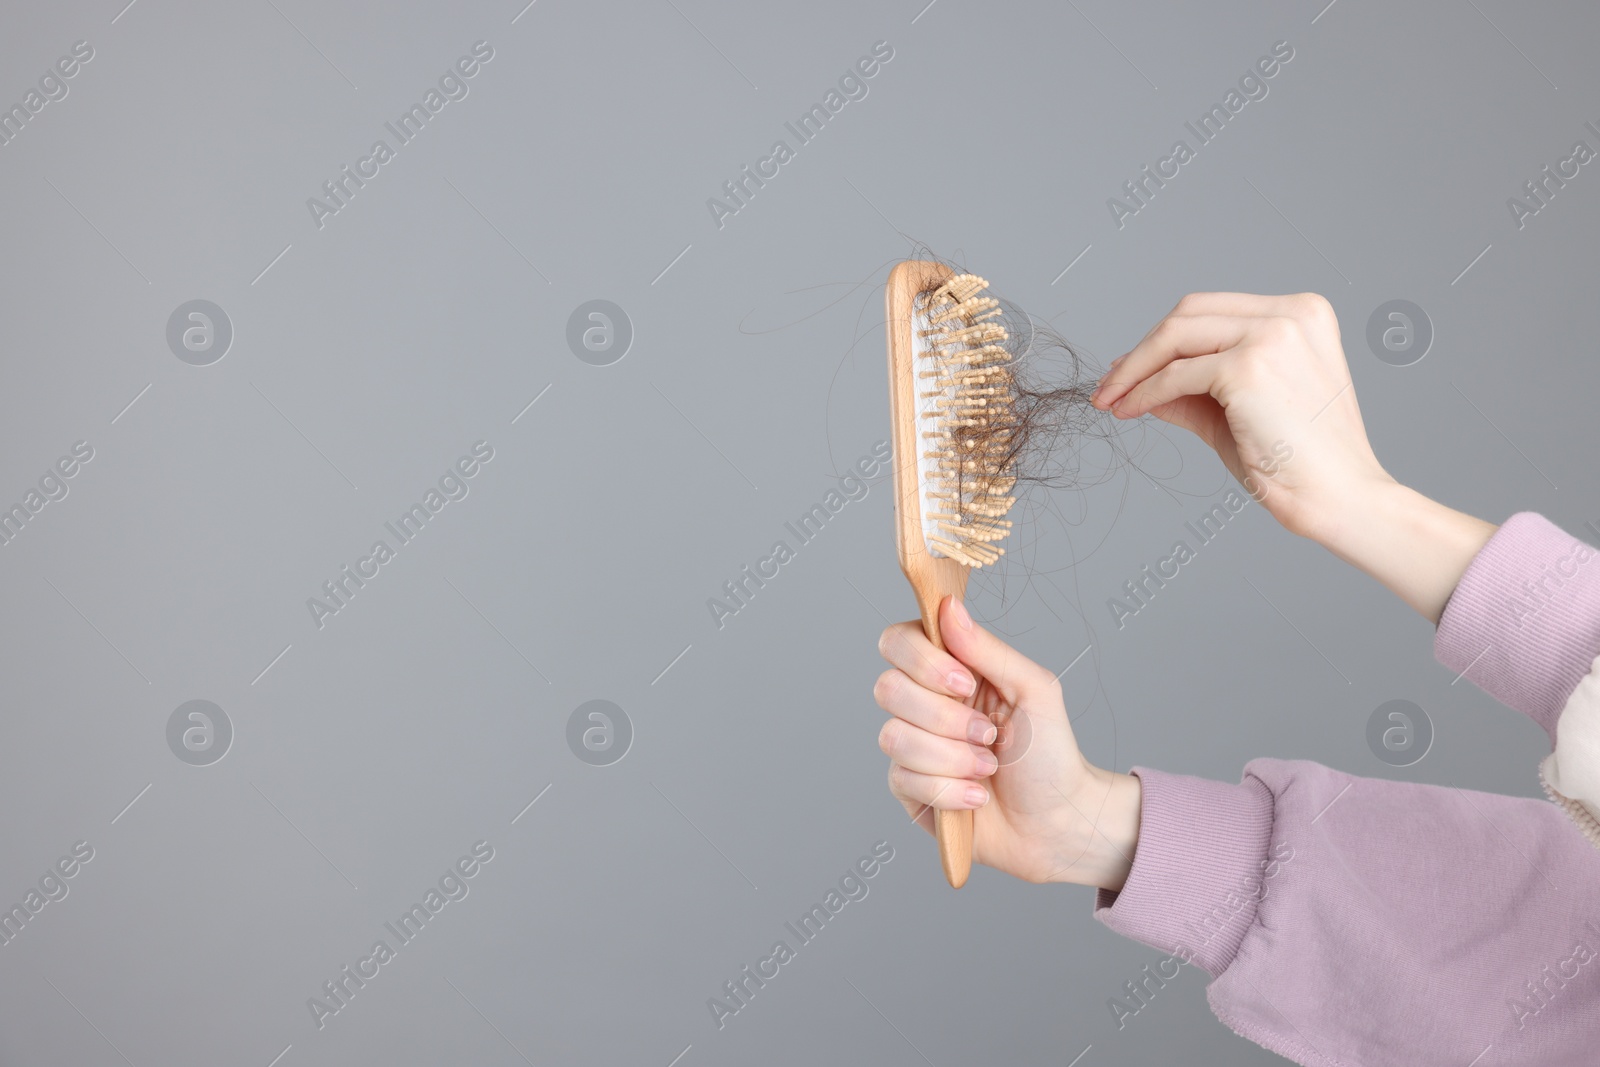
1263, 381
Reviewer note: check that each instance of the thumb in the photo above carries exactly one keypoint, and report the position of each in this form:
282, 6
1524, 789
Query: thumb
1013, 675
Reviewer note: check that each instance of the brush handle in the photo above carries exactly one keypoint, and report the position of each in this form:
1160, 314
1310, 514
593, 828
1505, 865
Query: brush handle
952, 828
954, 831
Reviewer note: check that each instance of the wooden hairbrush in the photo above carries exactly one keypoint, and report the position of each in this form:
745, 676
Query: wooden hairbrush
950, 400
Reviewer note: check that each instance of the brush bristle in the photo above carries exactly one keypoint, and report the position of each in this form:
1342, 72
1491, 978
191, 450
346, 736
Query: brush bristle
965, 421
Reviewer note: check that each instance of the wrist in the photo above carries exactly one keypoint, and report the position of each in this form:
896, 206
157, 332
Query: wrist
1104, 815
1337, 520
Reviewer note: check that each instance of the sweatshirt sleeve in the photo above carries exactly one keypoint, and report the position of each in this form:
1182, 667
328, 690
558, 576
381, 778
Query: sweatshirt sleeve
1351, 920
1524, 626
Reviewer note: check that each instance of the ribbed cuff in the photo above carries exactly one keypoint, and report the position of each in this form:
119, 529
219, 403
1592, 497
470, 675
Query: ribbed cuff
1197, 869
1524, 623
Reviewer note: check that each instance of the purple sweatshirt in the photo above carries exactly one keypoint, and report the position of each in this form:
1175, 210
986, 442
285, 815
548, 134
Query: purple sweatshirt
1355, 921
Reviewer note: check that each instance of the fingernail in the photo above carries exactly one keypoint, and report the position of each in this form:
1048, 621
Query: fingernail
987, 763
981, 732
961, 683
959, 610
977, 796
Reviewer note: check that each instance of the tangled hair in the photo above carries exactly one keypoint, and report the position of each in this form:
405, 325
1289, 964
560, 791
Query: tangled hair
1054, 387
1054, 416
1060, 444
1056, 445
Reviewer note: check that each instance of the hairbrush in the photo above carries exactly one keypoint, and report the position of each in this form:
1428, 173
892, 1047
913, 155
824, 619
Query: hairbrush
951, 396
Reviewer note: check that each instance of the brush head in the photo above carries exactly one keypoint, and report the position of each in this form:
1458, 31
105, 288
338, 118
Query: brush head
966, 425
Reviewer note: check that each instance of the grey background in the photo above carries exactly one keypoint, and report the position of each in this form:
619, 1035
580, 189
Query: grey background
373, 352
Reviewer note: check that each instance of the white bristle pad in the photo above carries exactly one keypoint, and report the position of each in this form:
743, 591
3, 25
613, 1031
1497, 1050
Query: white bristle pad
927, 412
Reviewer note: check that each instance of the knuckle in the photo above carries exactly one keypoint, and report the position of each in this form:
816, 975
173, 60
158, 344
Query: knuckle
953, 722
1189, 304
885, 640
891, 739
1251, 370
884, 689
1313, 308
1280, 330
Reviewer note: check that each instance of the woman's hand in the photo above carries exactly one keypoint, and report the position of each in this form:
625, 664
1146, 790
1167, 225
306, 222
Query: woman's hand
1263, 380
1043, 813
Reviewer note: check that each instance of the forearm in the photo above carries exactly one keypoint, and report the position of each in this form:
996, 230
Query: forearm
1415, 546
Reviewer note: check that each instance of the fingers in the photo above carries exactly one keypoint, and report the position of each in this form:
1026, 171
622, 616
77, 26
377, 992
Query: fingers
1176, 337
916, 749
922, 793
1016, 677
1192, 376
943, 716
1206, 323
908, 648
935, 743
